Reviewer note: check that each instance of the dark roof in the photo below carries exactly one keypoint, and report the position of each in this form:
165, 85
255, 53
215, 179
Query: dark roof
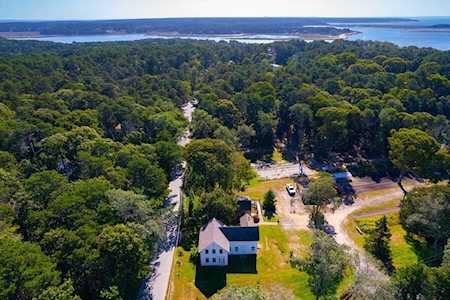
245, 205
241, 233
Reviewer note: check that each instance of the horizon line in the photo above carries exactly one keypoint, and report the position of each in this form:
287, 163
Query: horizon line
221, 17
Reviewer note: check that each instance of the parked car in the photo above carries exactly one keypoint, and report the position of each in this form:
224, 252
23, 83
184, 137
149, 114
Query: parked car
348, 200
329, 229
290, 189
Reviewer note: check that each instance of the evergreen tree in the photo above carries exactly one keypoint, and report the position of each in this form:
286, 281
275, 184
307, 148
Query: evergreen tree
269, 203
377, 243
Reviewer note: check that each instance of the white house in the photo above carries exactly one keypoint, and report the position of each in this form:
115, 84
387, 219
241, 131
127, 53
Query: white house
217, 242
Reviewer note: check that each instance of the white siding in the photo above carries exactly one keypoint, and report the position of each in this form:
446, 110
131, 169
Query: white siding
211, 256
242, 248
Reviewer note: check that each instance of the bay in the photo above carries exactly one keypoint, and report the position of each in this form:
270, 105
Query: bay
408, 36
404, 36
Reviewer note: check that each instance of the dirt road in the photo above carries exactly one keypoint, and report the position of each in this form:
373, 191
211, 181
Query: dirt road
294, 215
338, 218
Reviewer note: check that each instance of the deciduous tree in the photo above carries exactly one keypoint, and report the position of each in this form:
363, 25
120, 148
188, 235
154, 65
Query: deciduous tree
325, 265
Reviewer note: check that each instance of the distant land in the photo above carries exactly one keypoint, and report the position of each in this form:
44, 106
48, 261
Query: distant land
189, 26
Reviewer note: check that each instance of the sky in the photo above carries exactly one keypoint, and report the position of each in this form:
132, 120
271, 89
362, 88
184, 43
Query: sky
124, 9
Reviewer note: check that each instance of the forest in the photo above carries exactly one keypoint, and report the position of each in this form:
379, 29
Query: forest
88, 138
191, 26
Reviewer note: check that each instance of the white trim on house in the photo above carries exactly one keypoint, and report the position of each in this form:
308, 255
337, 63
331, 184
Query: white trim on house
214, 255
217, 242
243, 247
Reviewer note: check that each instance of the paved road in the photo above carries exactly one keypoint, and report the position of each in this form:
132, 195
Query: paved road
156, 285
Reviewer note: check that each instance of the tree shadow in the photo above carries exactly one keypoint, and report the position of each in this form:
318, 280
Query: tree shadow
269, 214
260, 155
376, 169
242, 264
210, 280
289, 154
424, 252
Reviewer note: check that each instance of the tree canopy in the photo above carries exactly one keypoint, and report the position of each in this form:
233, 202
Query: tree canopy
425, 212
88, 141
212, 163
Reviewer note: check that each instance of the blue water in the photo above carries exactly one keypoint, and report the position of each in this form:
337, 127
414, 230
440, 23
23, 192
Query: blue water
137, 37
402, 37
408, 37
88, 38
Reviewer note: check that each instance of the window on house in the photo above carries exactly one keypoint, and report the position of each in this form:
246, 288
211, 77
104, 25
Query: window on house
206, 251
214, 260
236, 249
214, 251
207, 260
253, 248
220, 251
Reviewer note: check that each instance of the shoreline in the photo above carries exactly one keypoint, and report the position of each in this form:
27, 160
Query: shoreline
398, 27
174, 35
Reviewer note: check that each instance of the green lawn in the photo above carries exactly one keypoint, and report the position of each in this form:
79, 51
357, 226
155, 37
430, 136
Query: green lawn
403, 252
258, 187
272, 268
378, 207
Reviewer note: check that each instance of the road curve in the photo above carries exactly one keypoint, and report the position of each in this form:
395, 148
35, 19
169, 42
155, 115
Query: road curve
338, 218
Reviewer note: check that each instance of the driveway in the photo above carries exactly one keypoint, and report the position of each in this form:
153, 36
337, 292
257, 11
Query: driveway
294, 215
291, 211
338, 218
155, 287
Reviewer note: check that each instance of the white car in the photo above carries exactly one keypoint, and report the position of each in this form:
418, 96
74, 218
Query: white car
290, 189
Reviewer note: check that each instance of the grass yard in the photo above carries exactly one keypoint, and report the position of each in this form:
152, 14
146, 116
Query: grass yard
378, 207
403, 253
272, 268
258, 187
377, 193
